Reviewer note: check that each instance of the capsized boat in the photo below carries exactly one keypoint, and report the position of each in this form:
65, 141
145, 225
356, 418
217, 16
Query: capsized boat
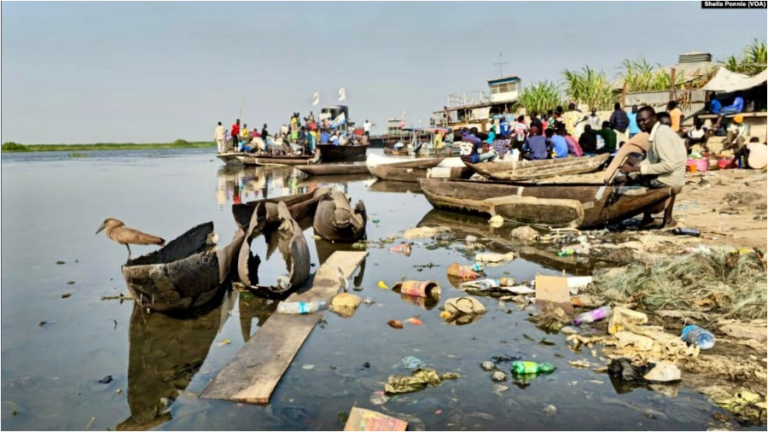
186, 273
532, 170
577, 205
336, 220
299, 207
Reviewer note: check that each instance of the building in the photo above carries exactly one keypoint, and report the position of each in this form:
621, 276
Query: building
476, 108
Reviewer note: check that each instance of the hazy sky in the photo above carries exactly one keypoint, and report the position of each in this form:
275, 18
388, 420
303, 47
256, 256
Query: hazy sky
153, 72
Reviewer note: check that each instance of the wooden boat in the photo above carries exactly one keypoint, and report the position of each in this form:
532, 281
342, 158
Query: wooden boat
184, 274
374, 160
292, 242
334, 169
231, 158
532, 170
336, 220
299, 206
578, 205
266, 160
396, 172
332, 153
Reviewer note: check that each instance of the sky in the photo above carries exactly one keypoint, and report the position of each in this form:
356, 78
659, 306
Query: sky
155, 72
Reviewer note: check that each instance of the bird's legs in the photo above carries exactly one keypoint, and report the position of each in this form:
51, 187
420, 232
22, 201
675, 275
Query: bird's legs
129, 252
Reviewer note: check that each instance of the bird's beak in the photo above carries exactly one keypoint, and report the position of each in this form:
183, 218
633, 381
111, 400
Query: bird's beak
101, 228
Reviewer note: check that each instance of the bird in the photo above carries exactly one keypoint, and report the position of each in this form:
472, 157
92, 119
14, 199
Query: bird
119, 233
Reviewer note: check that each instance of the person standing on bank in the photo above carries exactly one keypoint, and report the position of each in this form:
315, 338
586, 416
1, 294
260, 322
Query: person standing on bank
665, 165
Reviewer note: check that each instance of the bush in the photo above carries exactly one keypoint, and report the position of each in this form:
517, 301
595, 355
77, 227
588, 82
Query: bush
14, 147
181, 143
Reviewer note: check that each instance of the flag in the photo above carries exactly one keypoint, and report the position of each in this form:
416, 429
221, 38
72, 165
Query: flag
338, 121
402, 121
342, 94
316, 99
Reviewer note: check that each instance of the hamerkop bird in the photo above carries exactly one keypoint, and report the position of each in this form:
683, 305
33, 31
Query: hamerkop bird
118, 232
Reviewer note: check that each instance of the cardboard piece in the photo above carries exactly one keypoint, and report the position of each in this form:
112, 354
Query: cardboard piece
553, 289
366, 420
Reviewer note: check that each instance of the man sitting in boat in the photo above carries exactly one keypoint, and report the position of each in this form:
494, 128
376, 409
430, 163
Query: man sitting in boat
664, 166
471, 146
535, 146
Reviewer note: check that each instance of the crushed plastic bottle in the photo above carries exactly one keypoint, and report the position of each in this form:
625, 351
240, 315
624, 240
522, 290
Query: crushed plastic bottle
593, 315
299, 308
465, 272
529, 368
566, 253
487, 284
696, 335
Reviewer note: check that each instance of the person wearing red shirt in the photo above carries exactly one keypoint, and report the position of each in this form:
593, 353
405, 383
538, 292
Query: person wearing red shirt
236, 134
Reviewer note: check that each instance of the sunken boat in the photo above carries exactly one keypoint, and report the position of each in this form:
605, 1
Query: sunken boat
186, 273
336, 220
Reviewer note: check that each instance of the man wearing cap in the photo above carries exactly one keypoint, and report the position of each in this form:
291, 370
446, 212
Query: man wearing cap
665, 165
737, 133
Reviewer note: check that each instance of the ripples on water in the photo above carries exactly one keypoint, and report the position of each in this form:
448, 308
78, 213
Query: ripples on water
53, 204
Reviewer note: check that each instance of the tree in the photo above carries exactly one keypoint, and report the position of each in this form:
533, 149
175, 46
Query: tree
590, 87
752, 61
540, 97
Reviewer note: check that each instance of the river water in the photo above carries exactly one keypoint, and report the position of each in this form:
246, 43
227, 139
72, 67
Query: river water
55, 350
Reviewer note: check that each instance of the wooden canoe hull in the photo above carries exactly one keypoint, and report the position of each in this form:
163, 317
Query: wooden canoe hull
336, 220
376, 160
556, 205
249, 159
332, 153
533, 170
334, 169
182, 275
299, 206
396, 172
230, 158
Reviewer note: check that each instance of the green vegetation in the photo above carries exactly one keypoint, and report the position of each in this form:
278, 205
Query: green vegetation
752, 60
590, 87
11, 147
642, 76
540, 97
78, 155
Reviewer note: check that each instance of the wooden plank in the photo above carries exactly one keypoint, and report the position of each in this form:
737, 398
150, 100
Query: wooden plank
366, 420
252, 375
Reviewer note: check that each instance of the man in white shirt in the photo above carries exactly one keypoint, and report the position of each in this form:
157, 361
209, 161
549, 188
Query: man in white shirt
218, 136
367, 128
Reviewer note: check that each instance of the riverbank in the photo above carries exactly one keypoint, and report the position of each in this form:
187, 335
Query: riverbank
11, 147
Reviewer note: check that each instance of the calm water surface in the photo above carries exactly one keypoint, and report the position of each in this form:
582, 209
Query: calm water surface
52, 205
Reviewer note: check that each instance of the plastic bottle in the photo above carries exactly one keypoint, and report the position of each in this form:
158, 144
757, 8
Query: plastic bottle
696, 335
686, 231
487, 284
297, 308
465, 271
566, 253
593, 315
529, 367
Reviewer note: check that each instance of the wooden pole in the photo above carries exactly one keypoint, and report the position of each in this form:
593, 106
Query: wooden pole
242, 102
672, 85
623, 95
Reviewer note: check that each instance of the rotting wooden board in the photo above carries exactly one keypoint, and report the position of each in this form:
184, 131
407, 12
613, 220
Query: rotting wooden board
366, 420
252, 375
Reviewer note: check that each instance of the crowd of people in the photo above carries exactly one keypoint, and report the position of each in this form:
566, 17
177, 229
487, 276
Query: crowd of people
299, 136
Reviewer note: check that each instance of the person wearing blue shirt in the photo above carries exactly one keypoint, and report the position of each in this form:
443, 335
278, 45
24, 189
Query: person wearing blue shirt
736, 107
469, 149
714, 105
324, 136
634, 129
559, 145
535, 145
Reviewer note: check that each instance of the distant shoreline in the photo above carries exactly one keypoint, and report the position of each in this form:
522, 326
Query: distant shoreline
11, 147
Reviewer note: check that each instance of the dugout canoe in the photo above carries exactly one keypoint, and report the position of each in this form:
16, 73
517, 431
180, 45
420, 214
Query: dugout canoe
533, 170
336, 220
334, 153
577, 205
231, 158
333, 169
186, 273
299, 206
396, 172
375, 160
266, 160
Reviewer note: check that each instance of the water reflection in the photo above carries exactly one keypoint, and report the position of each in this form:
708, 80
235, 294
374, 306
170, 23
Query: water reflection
165, 354
237, 184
